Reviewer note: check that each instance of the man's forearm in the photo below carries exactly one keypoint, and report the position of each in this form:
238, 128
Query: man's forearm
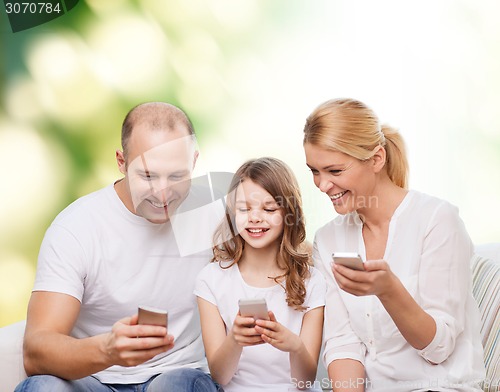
63, 356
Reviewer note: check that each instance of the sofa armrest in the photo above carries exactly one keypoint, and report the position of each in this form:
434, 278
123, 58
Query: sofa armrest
486, 290
11, 355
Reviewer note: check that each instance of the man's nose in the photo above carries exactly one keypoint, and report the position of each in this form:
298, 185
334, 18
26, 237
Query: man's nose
162, 189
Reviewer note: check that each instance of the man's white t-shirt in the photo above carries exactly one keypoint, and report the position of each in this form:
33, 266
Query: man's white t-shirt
261, 367
112, 261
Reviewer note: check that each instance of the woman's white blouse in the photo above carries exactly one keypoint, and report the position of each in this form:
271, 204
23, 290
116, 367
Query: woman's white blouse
429, 250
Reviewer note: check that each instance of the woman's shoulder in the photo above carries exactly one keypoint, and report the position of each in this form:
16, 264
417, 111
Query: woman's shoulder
431, 206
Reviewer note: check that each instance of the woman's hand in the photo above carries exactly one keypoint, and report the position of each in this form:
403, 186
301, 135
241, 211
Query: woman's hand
377, 279
272, 332
244, 332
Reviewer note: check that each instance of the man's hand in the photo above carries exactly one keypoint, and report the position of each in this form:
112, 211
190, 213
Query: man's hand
130, 344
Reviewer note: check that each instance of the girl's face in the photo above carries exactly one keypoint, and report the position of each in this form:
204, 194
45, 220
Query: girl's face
348, 182
258, 217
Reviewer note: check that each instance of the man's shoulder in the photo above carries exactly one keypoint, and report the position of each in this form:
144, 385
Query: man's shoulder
85, 206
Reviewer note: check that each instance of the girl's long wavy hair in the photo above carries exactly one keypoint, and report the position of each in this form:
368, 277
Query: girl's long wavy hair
276, 178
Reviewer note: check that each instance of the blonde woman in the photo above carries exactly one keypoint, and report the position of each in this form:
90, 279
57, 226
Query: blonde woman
407, 321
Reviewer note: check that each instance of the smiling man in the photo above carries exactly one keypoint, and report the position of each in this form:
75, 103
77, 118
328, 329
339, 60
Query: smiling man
110, 252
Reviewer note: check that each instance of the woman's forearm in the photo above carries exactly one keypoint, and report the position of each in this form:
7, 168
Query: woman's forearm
416, 325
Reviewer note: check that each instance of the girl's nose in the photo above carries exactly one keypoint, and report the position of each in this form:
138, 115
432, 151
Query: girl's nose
255, 216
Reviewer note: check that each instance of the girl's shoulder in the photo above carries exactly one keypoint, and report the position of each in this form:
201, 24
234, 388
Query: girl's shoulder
316, 278
315, 289
217, 269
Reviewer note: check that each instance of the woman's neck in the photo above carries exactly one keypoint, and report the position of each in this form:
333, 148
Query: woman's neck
383, 203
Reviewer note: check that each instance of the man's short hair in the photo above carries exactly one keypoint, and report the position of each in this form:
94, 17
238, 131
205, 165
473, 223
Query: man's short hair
159, 116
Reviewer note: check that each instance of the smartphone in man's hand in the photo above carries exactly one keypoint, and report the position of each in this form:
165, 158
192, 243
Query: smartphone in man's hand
152, 316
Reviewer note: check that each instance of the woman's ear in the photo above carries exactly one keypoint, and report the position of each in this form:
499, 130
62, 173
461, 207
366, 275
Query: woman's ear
379, 159
120, 160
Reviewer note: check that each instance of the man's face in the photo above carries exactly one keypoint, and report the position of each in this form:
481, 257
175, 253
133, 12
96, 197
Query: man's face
159, 165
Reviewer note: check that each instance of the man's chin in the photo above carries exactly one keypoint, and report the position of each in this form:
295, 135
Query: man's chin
158, 218
157, 221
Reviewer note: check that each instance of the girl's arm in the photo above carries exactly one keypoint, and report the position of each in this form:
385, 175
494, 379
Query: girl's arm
303, 349
304, 363
223, 351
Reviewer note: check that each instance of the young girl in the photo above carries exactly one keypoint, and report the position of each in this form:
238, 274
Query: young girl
259, 256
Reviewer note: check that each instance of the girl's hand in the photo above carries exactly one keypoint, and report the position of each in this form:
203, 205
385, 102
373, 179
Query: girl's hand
277, 335
244, 332
377, 279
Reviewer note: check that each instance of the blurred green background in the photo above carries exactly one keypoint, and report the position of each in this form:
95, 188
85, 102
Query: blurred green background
248, 72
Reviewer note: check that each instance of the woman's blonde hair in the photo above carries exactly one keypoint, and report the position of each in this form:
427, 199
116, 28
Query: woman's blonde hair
278, 180
351, 127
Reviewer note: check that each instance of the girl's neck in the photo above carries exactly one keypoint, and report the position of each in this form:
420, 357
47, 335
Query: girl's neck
259, 266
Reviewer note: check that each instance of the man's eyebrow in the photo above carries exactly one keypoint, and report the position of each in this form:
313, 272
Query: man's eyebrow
142, 171
180, 172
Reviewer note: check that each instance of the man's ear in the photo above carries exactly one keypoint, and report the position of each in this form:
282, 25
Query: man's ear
120, 160
379, 159
195, 158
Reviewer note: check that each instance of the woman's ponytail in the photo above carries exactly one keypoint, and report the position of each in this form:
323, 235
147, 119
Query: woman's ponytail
397, 162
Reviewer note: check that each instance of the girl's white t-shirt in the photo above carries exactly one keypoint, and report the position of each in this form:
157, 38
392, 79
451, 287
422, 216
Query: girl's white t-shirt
261, 367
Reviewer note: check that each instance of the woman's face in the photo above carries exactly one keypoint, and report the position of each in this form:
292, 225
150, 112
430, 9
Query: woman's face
348, 182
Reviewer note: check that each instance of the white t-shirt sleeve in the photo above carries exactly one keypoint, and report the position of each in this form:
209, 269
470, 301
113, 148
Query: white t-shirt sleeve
445, 280
205, 282
316, 290
61, 263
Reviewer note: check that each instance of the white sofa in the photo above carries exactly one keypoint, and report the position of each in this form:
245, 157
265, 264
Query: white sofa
486, 277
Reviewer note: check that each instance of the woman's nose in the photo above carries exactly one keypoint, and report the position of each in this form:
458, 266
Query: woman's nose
324, 184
